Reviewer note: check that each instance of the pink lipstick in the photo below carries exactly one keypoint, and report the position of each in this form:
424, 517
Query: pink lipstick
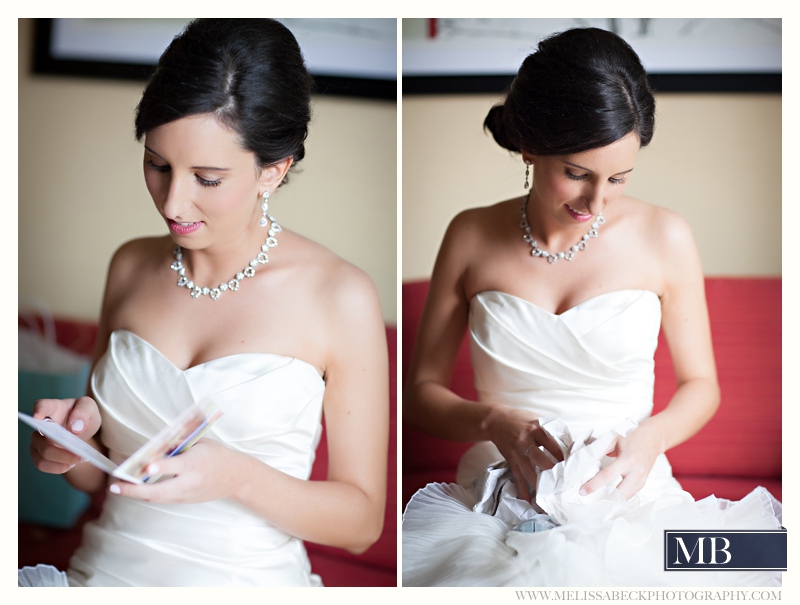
183, 228
580, 217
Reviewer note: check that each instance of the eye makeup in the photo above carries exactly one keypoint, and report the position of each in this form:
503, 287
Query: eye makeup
164, 168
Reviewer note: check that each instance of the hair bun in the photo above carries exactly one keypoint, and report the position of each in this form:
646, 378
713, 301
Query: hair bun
497, 124
582, 89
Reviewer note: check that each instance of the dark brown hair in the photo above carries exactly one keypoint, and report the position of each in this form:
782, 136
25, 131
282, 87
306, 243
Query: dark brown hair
581, 89
249, 73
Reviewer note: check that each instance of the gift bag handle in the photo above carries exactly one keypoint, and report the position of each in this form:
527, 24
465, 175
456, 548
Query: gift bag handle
40, 307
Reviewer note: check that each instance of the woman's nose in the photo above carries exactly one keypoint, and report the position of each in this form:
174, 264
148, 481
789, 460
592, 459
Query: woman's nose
178, 201
593, 200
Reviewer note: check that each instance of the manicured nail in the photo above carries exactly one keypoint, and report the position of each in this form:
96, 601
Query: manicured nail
77, 426
114, 488
45, 419
583, 492
153, 469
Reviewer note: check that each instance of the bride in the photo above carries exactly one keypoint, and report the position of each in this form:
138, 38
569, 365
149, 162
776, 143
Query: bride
229, 303
563, 292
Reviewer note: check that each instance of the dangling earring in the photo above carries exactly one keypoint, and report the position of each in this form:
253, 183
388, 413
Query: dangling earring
264, 208
527, 173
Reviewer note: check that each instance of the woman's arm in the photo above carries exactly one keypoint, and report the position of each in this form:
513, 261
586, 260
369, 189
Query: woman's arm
429, 405
347, 509
686, 327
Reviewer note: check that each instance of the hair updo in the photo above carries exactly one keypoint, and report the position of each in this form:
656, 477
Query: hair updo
248, 73
582, 89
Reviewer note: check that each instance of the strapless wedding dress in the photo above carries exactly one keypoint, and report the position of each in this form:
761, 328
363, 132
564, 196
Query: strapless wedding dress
272, 408
589, 374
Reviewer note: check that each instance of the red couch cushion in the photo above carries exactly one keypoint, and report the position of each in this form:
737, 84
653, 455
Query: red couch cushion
744, 436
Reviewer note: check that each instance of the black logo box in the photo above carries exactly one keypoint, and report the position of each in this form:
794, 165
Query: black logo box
733, 550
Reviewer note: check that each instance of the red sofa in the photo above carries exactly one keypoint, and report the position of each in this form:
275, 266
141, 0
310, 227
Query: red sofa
739, 449
337, 567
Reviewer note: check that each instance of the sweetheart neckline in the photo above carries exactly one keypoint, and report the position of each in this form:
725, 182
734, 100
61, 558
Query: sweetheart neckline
216, 359
583, 302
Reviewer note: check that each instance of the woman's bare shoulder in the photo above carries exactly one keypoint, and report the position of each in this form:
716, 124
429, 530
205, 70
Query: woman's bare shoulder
135, 253
662, 226
339, 285
477, 227
667, 237
483, 217
342, 302
658, 224
134, 260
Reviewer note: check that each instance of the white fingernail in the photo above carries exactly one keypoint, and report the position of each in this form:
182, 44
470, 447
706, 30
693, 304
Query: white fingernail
114, 488
77, 426
153, 469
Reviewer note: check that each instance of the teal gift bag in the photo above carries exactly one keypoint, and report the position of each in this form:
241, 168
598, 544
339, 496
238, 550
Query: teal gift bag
46, 370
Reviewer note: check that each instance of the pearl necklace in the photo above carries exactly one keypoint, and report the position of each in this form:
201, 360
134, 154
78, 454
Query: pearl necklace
232, 285
553, 257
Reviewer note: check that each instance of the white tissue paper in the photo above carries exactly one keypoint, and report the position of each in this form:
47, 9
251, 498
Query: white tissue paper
557, 489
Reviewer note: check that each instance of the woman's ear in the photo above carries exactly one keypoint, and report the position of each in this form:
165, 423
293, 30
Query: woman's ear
272, 175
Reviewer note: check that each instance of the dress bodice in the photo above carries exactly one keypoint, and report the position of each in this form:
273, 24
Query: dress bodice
272, 406
591, 365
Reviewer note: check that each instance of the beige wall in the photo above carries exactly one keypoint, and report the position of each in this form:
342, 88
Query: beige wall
715, 159
81, 190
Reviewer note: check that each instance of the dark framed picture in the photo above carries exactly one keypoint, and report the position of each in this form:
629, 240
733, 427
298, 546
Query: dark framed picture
680, 55
349, 57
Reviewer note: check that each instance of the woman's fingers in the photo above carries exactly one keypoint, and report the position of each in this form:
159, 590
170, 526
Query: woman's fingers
605, 476
629, 486
529, 473
55, 409
632, 480
148, 492
523, 489
540, 440
164, 490
50, 458
84, 419
538, 458
81, 416
551, 445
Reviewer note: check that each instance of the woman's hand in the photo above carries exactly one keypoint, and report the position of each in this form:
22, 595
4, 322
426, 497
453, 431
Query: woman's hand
80, 416
518, 435
206, 471
635, 456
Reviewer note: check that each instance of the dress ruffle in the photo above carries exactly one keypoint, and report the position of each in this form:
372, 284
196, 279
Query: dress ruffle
458, 536
41, 575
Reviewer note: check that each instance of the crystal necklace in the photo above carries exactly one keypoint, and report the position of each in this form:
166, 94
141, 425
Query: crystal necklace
232, 285
553, 257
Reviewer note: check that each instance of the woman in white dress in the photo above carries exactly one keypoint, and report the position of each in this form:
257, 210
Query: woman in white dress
228, 303
563, 291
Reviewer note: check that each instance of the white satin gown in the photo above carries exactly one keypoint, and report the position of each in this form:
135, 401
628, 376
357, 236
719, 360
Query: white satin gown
589, 374
272, 408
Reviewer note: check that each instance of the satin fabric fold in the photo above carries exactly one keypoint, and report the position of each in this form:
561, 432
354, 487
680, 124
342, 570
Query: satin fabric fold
590, 366
272, 408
